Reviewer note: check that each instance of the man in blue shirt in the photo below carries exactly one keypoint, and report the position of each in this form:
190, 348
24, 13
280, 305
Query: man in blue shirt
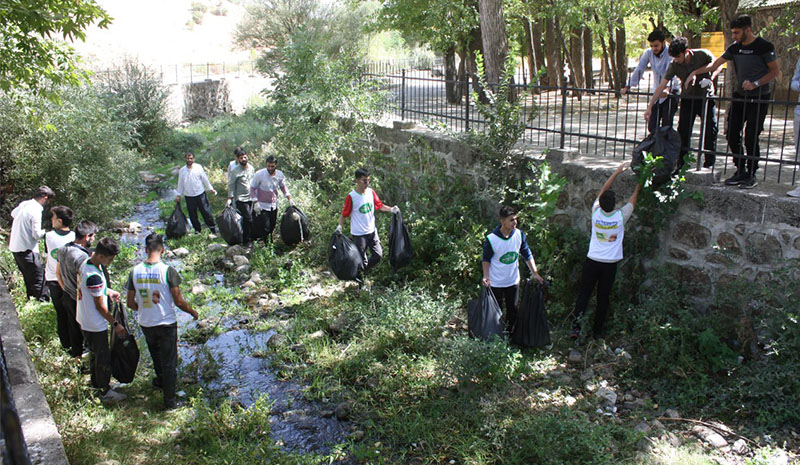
501, 252
658, 59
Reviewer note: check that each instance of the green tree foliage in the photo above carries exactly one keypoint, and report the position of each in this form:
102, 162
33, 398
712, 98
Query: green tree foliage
31, 57
137, 95
80, 151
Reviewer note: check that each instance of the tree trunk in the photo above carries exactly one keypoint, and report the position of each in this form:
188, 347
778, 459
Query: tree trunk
606, 68
493, 38
576, 52
475, 43
552, 49
538, 50
450, 76
622, 59
612, 55
530, 50
587, 58
461, 75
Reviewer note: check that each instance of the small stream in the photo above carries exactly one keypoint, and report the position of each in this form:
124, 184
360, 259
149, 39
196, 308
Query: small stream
236, 364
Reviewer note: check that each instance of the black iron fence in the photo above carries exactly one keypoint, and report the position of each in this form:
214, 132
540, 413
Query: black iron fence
595, 120
12, 442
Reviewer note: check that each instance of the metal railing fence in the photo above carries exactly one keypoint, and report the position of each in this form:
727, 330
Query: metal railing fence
595, 120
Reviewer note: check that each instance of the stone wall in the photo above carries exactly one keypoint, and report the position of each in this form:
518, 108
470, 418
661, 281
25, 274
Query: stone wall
730, 233
205, 99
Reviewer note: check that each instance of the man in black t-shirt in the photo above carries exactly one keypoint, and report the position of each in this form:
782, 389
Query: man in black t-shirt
695, 99
756, 64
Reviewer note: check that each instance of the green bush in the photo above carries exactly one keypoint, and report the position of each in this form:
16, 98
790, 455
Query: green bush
80, 152
136, 94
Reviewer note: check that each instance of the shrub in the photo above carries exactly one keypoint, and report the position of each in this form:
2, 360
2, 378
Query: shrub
80, 152
136, 94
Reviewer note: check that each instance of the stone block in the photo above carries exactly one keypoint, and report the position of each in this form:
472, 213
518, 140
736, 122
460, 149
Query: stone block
561, 219
563, 200
762, 248
719, 259
678, 254
403, 124
588, 198
692, 235
562, 155
704, 177
696, 280
727, 242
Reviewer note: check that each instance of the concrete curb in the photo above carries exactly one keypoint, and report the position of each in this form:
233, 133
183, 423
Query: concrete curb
38, 427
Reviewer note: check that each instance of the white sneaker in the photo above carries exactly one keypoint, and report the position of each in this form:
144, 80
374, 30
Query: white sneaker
112, 397
794, 192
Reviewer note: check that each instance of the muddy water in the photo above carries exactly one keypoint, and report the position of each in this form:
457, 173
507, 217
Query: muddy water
236, 365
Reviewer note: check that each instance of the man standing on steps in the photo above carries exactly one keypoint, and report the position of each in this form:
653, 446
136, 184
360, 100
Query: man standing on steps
61, 219
192, 185
239, 179
658, 59
605, 251
70, 259
153, 291
756, 65
264, 189
360, 205
696, 99
501, 252
94, 317
26, 231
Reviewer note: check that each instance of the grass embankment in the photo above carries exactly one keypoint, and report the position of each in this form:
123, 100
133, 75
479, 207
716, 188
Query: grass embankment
420, 390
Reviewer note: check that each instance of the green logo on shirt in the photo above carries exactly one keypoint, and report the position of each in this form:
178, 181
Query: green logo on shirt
365, 208
54, 254
509, 258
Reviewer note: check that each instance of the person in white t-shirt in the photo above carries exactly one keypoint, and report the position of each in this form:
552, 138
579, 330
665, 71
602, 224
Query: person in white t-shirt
94, 317
605, 251
502, 250
192, 185
264, 191
153, 291
26, 231
60, 236
360, 206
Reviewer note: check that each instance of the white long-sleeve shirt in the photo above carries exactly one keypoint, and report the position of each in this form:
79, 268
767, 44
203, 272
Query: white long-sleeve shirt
659, 65
26, 230
264, 188
193, 182
795, 85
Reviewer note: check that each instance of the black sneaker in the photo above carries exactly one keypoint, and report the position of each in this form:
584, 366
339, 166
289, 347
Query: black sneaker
736, 179
157, 383
748, 183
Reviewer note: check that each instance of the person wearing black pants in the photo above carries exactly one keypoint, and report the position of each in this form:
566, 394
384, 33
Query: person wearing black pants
605, 251
193, 184
239, 180
162, 343
32, 274
756, 65
502, 250
264, 222
26, 231
264, 191
690, 109
99, 360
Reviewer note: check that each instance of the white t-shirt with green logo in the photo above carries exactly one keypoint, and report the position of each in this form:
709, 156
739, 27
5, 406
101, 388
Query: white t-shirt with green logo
608, 230
504, 265
362, 218
53, 241
91, 284
152, 283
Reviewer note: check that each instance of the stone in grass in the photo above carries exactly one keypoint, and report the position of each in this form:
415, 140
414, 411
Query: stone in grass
248, 284
181, 252
342, 411
240, 260
709, 436
255, 276
671, 413
326, 413
607, 395
242, 269
642, 427
199, 289
235, 250
357, 435
215, 247
575, 356
316, 335
740, 447
108, 462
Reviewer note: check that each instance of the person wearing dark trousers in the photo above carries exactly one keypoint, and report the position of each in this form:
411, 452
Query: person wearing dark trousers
360, 206
239, 179
70, 258
502, 250
153, 291
26, 231
756, 65
61, 220
94, 317
696, 100
605, 251
658, 59
192, 185
264, 190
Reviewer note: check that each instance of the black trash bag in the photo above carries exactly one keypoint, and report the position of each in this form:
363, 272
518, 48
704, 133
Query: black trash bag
294, 226
665, 142
177, 225
343, 257
124, 351
230, 225
532, 328
485, 319
400, 253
